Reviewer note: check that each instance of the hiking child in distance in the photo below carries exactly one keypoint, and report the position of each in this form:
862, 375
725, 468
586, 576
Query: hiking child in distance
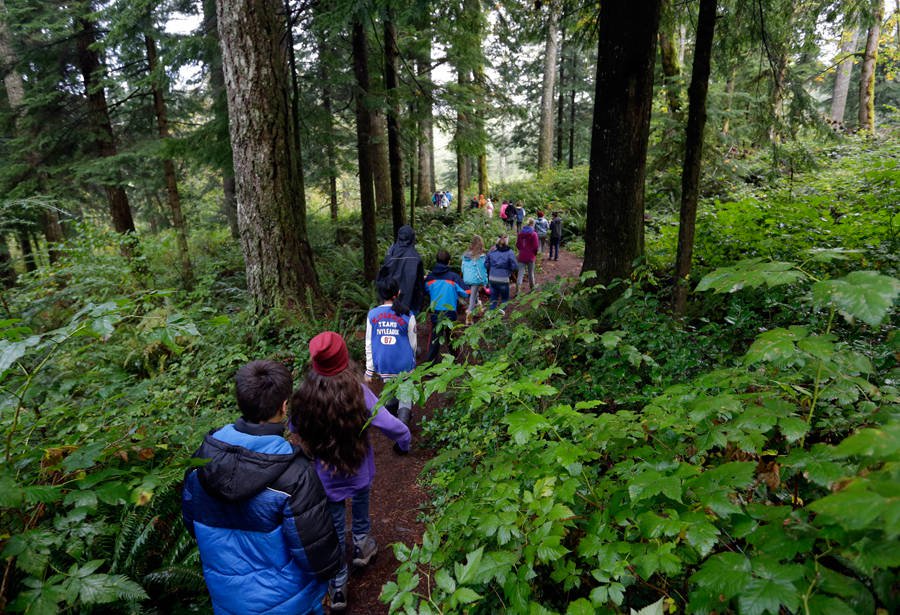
391, 343
258, 510
329, 415
474, 273
445, 288
555, 236
542, 227
500, 264
528, 245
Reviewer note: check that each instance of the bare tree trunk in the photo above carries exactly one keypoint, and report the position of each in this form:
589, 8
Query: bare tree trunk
462, 164
693, 151
572, 78
172, 195
614, 234
364, 150
425, 149
271, 214
27, 251
381, 170
551, 49
330, 151
849, 41
867, 73
729, 97
671, 65
561, 101
395, 151
98, 110
220, 112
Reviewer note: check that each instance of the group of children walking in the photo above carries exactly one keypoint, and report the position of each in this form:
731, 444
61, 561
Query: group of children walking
268, 508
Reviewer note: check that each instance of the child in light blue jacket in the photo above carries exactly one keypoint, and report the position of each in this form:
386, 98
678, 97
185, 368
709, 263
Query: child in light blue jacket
474, 272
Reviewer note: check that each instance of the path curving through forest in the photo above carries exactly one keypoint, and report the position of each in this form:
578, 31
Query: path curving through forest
397, 497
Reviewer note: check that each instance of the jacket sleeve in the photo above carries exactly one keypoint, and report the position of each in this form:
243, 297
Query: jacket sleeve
370, 362
389, 425
413, 334
307, 526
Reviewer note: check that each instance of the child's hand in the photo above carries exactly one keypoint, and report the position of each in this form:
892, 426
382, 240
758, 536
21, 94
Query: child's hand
399, 450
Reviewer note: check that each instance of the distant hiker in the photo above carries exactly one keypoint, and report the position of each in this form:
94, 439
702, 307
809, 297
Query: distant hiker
489, 209
445, 288
403, 263
474, 273
445, 201
542, 227
257, 508
520, 216
500, 265
482, 201
508, 214
391, 343
330, 413
555, 235
473, 204
528, 245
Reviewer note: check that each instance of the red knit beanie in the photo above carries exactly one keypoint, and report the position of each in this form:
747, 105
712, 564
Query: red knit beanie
328, 353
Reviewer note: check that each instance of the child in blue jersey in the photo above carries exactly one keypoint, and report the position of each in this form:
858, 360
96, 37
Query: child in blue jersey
445, 288
391, 342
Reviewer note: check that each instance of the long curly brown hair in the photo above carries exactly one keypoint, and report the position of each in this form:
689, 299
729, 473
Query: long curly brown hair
329, 414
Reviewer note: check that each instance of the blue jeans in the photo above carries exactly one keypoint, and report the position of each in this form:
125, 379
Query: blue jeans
499, 293
359, 527
554, 247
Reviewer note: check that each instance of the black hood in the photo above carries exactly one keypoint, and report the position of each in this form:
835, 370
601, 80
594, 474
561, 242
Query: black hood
406, 236
235, 473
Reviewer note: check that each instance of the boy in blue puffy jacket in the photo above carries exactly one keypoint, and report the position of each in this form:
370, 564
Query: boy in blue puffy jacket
257, 508
445, 288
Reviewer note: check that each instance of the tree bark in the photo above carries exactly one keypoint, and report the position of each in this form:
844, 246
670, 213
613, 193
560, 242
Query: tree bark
462, 165
849, 41
27, 251
425, 149
172, 196
671, 65
98, 111
614, 235
271, 215
867, 73
551, 49
561, 101
729, 99
381, 168
364, 150
572, 117
213, 56
330, 151
693, 151
395, 151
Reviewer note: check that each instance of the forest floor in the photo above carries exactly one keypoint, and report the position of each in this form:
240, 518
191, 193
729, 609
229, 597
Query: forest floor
397, 497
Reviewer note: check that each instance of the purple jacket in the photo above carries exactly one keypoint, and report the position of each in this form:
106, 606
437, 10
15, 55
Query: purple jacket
528, 245
339, 487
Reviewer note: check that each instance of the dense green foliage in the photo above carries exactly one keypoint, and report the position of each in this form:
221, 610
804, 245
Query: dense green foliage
742, 461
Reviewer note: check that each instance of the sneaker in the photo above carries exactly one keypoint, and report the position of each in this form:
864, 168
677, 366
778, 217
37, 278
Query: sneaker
337, 597
364, 552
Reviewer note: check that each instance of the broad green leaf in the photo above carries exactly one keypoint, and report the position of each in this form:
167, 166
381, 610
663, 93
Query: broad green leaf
465, 573
83, 458
726, 574
582, 606
767, 596
750, 273
611, 339
464, 595
777, 346
445, 581
879, 444
524, 424
827, 605
10, 352
701, 534
864, 295
650, 483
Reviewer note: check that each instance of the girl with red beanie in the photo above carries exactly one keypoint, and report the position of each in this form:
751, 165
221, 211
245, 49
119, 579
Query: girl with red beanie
330, 414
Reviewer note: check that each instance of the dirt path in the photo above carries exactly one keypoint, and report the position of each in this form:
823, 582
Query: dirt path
396, 495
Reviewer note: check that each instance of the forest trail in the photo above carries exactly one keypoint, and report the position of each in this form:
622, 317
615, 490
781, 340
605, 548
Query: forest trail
396, 495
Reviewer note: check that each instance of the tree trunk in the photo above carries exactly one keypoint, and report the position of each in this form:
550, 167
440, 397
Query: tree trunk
330, 151
671, 66
867, 74
27, 251
729, 99
395, 151
561, 101
98, 111
53, 233
7, 273
425, 149
849, 41
172, 195
572, 117
220, 112
381, 168
364, 150
551, 48
462, 165
614, 235
693, 151
271, 216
